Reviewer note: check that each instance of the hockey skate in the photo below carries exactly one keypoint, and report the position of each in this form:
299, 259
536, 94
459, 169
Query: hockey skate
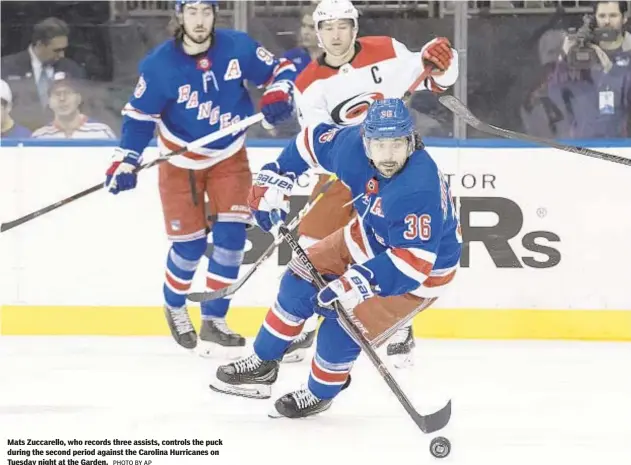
181, 326
298, 348
400, 347
247, 377
216, 340
299, 404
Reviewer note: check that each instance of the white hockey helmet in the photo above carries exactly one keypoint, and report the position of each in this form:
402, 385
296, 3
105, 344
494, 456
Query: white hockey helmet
328, 10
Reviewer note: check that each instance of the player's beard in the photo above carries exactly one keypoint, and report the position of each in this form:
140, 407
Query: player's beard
198, 41
198, 37
389, 168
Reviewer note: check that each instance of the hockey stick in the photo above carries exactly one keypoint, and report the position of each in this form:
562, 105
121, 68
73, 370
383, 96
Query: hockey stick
427, 423
212, 137
234, 287
417, 82
460, 109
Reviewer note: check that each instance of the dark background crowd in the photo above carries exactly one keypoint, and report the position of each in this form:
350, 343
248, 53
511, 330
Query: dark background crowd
540, 67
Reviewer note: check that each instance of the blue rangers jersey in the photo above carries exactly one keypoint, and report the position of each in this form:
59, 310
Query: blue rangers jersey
189, 97
299, 56
407, 231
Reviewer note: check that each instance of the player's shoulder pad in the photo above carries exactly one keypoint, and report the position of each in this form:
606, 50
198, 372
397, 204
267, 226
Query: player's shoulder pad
320, 136
231, 42
375, 41
158, 58
324, 141
374, 49
313, 73
325, 133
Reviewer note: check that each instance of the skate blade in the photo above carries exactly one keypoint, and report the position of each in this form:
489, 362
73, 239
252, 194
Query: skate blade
296, 356
273, 413
213, 350
251, 391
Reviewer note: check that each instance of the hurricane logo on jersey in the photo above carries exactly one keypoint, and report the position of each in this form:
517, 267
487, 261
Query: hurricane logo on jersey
352, 111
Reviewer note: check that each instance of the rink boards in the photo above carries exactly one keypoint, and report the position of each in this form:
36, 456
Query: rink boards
547, 246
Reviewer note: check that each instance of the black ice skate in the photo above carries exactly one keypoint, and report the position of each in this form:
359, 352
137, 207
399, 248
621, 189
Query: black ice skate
247, 377
297, 349
299, 404
181, 326
216, 340
400, 347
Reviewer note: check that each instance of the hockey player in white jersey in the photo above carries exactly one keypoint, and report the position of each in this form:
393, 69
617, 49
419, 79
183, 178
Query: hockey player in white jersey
338, 88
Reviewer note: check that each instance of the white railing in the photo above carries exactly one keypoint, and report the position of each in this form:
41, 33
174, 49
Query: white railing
430, 7
503, 7
284, 6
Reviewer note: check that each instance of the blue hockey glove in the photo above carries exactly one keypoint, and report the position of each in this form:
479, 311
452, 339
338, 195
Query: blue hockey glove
270, 191
121, 175
277, 102
350, 289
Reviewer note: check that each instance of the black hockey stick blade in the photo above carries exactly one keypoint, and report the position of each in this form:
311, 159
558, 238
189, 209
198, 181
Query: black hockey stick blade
434, 421
234, 287
460, 109
198, 297
429, 423
426, 423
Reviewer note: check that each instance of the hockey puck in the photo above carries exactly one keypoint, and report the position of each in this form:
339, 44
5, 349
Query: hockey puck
440, 447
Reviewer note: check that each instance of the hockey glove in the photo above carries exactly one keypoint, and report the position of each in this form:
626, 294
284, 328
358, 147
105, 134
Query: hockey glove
270, 191
277, 102
121, 175
350, 289
439, 54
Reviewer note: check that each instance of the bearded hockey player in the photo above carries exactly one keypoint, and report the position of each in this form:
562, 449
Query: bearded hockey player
338, 88
190, 86
394, 259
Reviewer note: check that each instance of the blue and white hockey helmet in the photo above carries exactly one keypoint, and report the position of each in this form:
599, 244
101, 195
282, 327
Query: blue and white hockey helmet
388, 119
179, 4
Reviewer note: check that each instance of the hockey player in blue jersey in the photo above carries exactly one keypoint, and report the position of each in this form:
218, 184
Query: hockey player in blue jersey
190, 86
392, 261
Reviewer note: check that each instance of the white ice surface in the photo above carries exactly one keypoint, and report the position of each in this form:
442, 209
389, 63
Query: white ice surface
514, 402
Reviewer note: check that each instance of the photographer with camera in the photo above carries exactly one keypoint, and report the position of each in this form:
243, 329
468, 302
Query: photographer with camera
592, 81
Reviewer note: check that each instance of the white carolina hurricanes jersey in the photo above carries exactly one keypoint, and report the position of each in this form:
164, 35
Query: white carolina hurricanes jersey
381, 68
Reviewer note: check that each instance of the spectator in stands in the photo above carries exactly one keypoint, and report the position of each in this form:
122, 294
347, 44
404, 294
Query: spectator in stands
540, 115
69, 122
10, 130
598, 96
308, 48
30, 71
